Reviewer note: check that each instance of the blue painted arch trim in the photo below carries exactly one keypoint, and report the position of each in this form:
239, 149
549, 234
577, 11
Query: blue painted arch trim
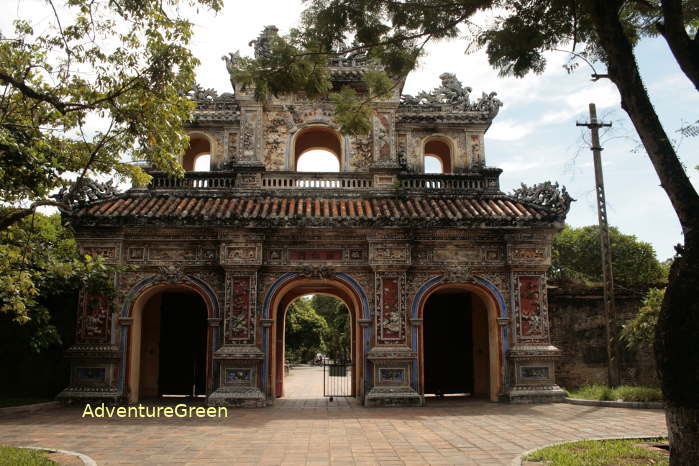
136, 291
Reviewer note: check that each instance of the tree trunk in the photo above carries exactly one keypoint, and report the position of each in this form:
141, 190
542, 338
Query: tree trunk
677, 353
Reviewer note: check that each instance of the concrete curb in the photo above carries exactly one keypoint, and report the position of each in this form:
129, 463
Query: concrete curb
520, 458
616, 404
25, 409
87, 461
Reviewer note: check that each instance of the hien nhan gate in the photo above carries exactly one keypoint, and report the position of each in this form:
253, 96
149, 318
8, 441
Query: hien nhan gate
444, 275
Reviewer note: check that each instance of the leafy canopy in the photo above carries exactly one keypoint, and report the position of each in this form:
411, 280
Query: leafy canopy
102, 84
640, 332
576, 256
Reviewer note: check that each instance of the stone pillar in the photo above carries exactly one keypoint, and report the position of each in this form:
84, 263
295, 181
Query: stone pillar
239, 359
95, 355
94, 358
390, 356
532, 357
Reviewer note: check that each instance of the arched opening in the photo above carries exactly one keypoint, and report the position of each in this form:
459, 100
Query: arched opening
284, 302
437, 156
317, 336
317, 148
168, 344
460, 343
318, 161
198, 155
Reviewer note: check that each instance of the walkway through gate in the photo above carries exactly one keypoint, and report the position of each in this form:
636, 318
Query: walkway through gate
337, 379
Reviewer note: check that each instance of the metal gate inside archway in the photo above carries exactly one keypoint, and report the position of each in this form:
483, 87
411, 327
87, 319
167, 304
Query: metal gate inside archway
337, 379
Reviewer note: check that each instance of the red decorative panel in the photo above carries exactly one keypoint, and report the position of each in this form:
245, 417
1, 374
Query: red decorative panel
530, 306
315, 254
239, 311
389, 315
94, 319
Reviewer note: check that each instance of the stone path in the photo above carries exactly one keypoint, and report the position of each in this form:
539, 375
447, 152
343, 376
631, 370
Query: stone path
303, 388
305, 429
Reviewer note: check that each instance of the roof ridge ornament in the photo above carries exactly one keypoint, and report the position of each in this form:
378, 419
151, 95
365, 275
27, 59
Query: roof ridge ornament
452, 93
547, 195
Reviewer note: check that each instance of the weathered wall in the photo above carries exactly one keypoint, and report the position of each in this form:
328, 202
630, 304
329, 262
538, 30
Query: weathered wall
576, 315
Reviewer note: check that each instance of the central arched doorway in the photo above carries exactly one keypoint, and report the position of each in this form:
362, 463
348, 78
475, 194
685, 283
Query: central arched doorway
169, 344
324, 287
461, 349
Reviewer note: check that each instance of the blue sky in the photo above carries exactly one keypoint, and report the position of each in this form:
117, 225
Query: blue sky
534, 138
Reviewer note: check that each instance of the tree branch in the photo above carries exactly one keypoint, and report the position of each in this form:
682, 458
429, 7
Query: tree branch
684, 49
14, 217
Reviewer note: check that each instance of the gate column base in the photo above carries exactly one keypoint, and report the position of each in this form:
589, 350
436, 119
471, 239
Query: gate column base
533, 373
238, 385
393, 397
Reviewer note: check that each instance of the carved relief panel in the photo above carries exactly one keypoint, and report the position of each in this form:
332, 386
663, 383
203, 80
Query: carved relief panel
532, 254
94, 318
390, 308
241, 293
383, 139
241, 254
389, 254
531, 308
111, 253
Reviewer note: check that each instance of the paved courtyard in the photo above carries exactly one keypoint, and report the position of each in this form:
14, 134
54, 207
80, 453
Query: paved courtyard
305, 428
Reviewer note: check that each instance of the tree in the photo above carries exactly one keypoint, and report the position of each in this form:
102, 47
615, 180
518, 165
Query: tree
336, 314
394, 32
640, 332
104, 85
575, 256
304, 331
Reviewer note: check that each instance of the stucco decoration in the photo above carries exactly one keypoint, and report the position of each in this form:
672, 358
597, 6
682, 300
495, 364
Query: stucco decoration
547, 195
85, 191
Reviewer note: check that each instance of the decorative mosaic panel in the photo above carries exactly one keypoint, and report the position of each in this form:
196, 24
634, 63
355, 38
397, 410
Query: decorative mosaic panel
94, 318
383, 254
240, 254
390, 305
240, 308
238, 376
90, 374
532, 372
392, 375
532, 316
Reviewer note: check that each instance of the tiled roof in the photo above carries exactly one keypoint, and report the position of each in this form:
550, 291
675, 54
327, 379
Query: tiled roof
311, 210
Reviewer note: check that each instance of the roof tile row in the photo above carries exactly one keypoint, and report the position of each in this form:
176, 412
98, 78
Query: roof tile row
289, 207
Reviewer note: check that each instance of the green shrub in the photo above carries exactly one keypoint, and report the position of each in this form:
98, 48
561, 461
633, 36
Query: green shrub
623, 392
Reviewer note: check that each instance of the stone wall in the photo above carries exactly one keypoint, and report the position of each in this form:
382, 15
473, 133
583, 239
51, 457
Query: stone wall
576, 316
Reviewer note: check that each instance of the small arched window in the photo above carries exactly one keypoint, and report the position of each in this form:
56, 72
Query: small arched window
437, 156
317, 149
198, 156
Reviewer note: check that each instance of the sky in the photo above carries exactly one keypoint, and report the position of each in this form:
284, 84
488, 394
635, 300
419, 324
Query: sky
534, 138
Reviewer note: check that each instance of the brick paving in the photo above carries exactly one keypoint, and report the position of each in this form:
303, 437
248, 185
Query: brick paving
305, 429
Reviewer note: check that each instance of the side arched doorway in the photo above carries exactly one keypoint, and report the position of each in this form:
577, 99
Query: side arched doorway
169, 343
460, 343
280, 305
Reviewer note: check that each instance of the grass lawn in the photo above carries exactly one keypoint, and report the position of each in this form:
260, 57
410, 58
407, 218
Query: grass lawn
11, 456
623, 392
19, 401
600, 453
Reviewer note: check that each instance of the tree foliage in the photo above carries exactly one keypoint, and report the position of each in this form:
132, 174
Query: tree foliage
337, 338
39, 260
101, 85
640, 332
576, 256
304, 331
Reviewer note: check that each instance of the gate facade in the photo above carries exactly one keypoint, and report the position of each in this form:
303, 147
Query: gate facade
381, 227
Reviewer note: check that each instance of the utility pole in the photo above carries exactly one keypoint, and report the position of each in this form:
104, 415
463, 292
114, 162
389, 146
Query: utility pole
609, 306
